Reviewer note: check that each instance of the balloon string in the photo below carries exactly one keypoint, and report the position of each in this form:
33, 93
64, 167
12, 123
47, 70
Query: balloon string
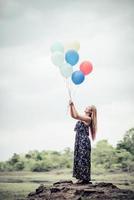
69, 90
75, 91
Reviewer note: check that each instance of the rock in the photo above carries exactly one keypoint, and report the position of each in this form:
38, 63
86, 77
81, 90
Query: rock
107, 185
31, 194
65, 182
40, 189
55, 189
66, 189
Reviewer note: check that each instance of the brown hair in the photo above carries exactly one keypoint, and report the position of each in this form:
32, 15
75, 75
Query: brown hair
93, 125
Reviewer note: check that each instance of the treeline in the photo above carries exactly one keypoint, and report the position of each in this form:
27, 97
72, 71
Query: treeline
38, 161
105, 157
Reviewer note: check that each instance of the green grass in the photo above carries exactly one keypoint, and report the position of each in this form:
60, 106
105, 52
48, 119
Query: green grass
16, 185
12, 191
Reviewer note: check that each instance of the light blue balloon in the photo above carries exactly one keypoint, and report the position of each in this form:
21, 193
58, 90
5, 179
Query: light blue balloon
78, 77
72, 57
57, 47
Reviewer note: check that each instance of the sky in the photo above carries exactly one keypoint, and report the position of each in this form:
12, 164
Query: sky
34, 99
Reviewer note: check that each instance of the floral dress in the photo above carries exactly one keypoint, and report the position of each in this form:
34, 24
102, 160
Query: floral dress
82, 152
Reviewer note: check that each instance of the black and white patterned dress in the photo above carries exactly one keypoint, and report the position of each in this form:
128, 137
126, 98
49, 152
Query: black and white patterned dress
82, 152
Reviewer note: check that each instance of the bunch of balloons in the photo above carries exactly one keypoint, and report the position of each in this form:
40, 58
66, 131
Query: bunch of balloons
65, 57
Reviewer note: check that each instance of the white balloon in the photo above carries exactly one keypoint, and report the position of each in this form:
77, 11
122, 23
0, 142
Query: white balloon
57, 58
57, 46
66, 70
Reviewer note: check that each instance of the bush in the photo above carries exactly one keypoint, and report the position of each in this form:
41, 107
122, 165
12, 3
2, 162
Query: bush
41, 167
19, 166
2, 166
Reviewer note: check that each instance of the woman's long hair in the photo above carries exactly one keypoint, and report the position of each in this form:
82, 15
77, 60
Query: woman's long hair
93, 125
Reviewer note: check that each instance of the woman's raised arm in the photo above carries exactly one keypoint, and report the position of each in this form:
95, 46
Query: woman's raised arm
76, 115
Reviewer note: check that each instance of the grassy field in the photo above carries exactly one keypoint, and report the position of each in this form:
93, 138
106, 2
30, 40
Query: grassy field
16, 185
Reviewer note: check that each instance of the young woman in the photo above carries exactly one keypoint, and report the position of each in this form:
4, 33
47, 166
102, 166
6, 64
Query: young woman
82, 147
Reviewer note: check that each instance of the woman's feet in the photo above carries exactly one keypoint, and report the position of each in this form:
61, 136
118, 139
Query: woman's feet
86, 182
83, 182
79, 182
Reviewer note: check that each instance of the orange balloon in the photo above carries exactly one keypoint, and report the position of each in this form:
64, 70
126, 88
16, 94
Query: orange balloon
86, 67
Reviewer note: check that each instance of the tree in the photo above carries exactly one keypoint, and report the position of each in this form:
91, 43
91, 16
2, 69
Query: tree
15, 158
103, 154
125, 159
128, 142
28, 156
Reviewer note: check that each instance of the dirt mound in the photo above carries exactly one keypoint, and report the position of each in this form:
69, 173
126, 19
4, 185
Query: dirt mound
66, 189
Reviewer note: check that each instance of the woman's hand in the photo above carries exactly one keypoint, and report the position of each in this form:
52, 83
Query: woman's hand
71, 102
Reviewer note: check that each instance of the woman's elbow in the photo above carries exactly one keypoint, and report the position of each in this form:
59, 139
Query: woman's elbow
75, 116
71, 115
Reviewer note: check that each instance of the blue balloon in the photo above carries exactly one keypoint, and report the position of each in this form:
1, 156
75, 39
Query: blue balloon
78, 77
72, 57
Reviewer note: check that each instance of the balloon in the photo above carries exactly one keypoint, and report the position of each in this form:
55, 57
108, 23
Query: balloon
86, 67
78, 77
75, 45
72, 57
57, 46
57, 58
66, 70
